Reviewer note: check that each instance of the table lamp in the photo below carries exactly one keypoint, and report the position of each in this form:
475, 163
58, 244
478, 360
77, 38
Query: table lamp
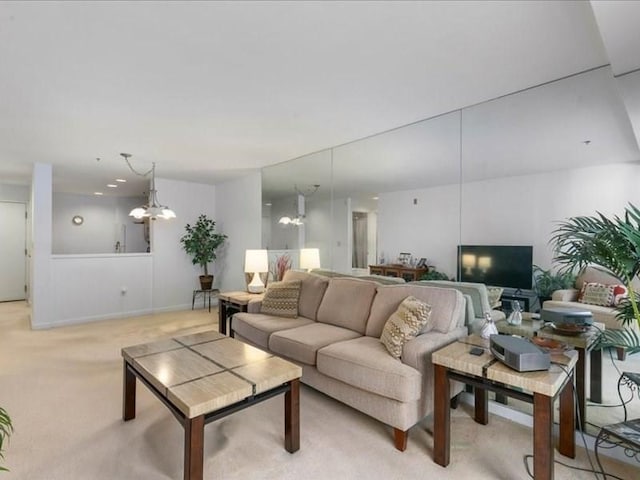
255, 262
309, 258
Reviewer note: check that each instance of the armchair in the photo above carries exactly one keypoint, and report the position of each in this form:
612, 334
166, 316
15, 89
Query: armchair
568, 298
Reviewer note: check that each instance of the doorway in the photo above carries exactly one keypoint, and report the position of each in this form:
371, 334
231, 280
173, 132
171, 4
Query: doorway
360, 240
13, 229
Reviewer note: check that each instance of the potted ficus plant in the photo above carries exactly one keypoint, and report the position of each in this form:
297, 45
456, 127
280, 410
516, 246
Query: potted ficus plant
6, 428
201, 242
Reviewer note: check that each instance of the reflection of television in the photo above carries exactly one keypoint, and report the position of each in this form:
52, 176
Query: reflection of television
498, 265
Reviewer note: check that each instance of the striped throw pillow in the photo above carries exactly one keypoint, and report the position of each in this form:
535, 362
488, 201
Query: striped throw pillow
281, 299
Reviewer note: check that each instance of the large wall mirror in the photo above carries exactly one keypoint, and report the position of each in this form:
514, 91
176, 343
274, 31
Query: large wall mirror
537, 157
503, 172
376, 198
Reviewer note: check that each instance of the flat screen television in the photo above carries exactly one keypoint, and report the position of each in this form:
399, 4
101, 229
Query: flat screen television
509, 266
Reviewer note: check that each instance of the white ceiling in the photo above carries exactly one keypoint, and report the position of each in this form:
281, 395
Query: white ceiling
209, 90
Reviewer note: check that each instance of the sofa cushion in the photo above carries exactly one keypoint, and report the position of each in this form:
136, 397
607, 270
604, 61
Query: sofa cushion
281, 299
365, 364
347, 303
258, 326
311, 292
404, 324
447, 306
301, 344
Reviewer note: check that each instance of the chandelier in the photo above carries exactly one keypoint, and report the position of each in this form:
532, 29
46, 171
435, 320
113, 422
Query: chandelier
300, 196
153, 208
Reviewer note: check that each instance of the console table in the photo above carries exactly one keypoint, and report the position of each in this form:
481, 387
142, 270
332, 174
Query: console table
410, 274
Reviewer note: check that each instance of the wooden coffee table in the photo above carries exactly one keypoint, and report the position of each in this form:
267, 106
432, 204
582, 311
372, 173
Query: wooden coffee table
485, 373
206, 376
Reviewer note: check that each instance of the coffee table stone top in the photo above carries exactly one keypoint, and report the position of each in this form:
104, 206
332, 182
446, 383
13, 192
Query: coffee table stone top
457, 356
207, 371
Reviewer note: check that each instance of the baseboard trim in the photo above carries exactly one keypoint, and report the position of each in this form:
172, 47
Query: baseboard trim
94, 318
116, 315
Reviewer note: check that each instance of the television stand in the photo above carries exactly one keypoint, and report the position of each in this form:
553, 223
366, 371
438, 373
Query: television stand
526, 298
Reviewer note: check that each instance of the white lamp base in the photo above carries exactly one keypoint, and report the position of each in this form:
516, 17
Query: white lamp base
256, 285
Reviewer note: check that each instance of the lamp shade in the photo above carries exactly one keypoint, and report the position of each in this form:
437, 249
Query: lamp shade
309, 258
256, 261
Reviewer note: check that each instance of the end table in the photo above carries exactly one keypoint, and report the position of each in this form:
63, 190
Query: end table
230, 303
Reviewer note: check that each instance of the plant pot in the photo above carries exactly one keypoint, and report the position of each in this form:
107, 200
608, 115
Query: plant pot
206, 282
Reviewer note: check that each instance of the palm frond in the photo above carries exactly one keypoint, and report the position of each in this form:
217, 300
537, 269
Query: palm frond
620, 338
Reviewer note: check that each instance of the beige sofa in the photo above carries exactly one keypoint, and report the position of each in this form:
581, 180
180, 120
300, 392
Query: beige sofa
569, 299
336, 340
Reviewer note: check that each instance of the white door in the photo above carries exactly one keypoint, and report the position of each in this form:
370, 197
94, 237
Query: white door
12, 251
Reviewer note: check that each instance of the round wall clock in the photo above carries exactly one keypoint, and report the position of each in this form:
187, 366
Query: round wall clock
77, 220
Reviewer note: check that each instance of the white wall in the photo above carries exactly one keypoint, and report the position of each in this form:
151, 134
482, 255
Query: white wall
525, 210
428, 229
78, 288
174, 276
97, 287
14, 193
106, 221
238, 207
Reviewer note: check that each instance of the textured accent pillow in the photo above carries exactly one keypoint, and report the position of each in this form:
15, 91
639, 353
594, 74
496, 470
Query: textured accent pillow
281, 299
405, 323
596, 294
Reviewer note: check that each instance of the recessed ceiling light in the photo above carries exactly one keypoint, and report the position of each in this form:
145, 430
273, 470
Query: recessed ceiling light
121, 180
97, 193
374, 198
268, 204
112, 185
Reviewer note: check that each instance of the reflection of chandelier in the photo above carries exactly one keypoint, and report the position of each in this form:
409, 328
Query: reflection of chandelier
152, 209
297, 220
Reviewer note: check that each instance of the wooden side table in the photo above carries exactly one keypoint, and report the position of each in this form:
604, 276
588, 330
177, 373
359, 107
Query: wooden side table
584, 343
485, 373
233, 302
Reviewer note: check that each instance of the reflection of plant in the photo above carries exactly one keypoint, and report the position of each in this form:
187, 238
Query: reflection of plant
201, 241
6, 428
280, 266
546, 282
614, 245
434, 274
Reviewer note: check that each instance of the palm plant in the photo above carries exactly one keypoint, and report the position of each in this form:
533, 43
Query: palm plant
613, 244
6, 428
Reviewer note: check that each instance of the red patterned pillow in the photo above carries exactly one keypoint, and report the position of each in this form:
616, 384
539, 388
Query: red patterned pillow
620, 292
601, 294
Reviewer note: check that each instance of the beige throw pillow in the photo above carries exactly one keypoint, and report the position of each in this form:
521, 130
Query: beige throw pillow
404, 324
281, 299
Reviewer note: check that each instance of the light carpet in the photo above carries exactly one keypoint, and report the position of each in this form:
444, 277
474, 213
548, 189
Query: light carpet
63, 389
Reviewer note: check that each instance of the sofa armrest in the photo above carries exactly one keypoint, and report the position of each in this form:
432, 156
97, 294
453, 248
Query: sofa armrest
254, 305
417, 352
568, 295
